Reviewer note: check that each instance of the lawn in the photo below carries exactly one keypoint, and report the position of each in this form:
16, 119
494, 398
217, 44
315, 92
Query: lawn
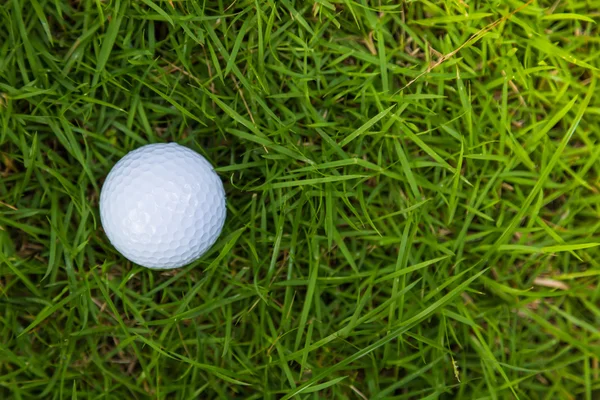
413, 206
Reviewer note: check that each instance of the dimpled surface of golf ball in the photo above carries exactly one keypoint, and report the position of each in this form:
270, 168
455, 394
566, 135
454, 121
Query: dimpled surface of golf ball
162, 206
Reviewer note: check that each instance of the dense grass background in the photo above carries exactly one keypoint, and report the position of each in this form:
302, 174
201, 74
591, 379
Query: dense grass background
413, 199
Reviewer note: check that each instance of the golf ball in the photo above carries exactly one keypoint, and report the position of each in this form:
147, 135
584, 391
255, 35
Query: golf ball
162, 206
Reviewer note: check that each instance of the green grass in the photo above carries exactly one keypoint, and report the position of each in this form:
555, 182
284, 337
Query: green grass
413, 199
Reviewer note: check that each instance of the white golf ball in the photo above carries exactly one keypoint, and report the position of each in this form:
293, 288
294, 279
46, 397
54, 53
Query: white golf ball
162, 206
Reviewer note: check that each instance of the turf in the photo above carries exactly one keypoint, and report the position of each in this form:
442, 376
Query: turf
413, 199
